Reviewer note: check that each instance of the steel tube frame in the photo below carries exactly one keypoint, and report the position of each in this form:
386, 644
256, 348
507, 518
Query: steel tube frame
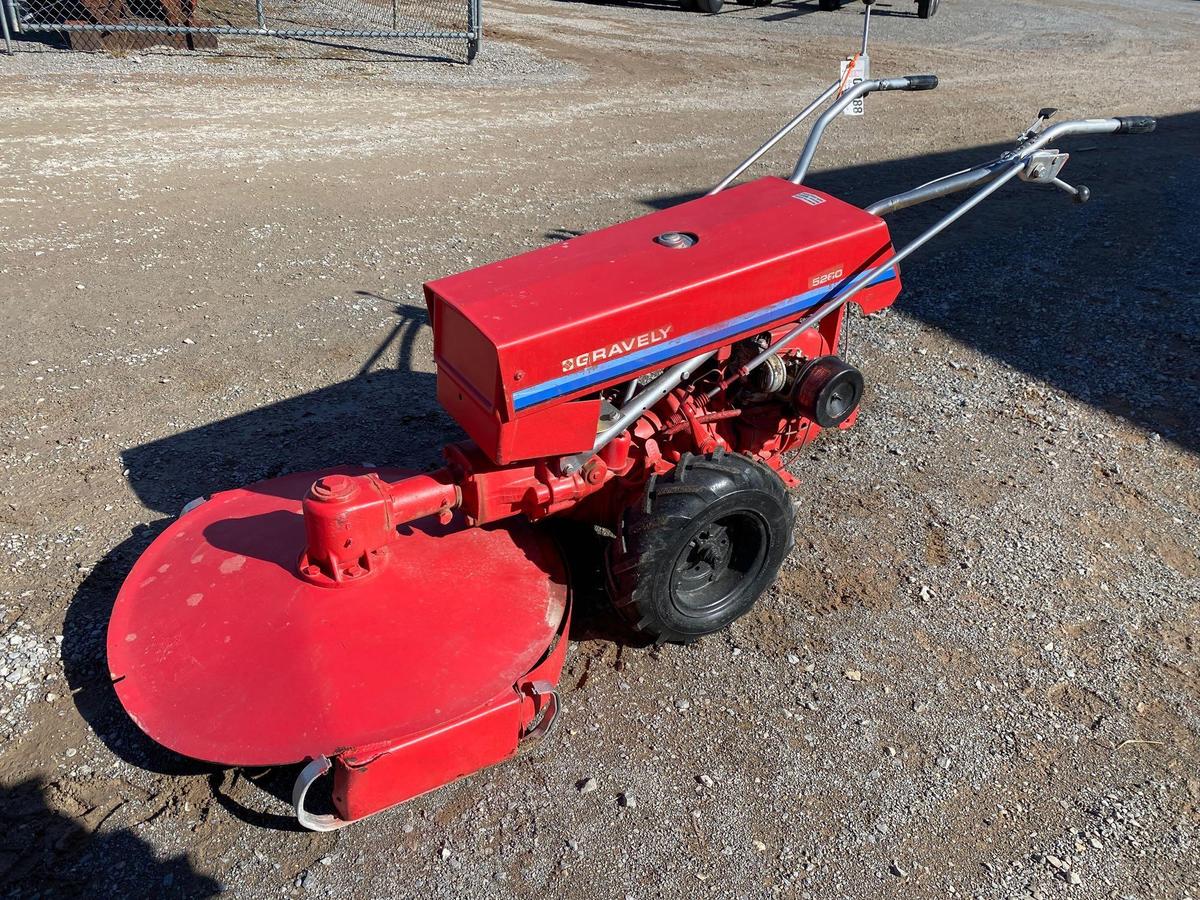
942, 187
847, 97
666, 382
995, 174
799, 117
776, 138
847, 292
4, 21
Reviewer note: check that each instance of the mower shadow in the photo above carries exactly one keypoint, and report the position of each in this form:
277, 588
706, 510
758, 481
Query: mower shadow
1097, 300
583, 549
51, 854
378, 415
382, 414
85, 663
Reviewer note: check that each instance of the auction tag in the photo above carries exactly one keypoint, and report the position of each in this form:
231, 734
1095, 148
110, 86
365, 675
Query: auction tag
860, 72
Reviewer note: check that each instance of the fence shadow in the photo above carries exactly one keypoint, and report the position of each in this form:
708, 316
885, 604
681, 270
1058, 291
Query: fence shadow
1097, 300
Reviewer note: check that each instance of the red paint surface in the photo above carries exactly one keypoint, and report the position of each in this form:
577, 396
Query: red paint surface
221, 652
506, 326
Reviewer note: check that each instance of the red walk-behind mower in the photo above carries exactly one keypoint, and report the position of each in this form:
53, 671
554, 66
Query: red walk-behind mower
406, 629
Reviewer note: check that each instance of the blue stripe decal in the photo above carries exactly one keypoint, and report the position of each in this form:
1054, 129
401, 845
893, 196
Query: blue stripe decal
642, 359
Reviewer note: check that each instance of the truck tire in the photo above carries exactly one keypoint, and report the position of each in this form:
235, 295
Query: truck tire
926, 8
705, 542
709, 6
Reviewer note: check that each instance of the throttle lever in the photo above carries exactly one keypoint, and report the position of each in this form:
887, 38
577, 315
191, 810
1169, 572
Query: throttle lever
1045, 114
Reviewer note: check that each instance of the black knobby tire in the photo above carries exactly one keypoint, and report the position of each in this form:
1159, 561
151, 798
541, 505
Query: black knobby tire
704, 544
829, 5
710, 6
926, 8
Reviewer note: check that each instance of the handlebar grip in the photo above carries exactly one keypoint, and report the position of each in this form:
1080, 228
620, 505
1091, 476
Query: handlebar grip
1136, 124
920, 82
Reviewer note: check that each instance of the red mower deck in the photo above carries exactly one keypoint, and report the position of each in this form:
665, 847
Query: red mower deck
220, 652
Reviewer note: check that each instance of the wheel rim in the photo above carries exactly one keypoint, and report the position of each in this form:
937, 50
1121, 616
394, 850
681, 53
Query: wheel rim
714, 567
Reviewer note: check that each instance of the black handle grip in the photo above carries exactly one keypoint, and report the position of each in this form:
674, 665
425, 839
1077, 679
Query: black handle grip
1136, 124
921, 82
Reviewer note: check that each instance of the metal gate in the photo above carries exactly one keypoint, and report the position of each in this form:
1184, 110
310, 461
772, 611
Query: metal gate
452, 26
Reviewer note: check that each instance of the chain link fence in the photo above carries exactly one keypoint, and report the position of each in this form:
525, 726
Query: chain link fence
451, 26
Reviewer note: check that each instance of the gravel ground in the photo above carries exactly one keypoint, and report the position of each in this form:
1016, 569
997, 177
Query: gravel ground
977, 674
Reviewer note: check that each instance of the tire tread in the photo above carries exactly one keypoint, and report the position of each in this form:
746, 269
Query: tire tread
670, 503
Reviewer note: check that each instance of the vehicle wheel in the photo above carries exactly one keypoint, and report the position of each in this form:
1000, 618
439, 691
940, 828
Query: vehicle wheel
829, 5
706, 541
709, 6
926, 8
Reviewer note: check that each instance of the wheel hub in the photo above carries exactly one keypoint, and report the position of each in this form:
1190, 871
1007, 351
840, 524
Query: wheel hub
712, 568
709, 553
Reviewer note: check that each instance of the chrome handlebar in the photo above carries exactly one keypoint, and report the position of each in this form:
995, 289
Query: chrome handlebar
848, 96
1022, 155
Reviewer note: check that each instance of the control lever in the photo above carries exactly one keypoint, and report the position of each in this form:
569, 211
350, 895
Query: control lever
1045, 114
1079, 194
1044, 167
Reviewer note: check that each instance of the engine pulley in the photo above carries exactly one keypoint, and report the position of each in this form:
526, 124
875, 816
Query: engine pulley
828, 391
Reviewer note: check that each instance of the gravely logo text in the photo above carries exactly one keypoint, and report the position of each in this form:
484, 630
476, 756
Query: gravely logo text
620, 348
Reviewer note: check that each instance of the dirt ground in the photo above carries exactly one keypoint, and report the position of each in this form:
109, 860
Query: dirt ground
977, 675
